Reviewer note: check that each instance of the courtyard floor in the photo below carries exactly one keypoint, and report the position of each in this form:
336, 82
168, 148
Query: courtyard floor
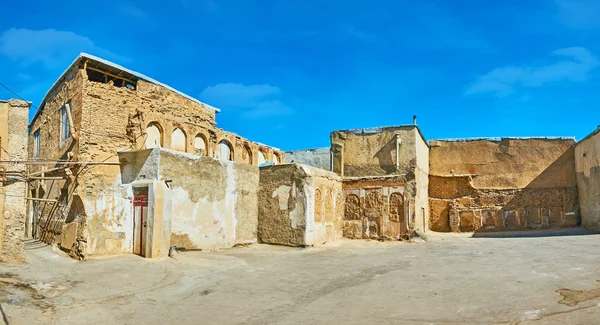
451, 279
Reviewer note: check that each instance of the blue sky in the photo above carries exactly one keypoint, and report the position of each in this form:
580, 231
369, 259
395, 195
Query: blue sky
286, 73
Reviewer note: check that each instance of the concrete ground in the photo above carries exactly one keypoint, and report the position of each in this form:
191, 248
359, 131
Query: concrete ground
452, 279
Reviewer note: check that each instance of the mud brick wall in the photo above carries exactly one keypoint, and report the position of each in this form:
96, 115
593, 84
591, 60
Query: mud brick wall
509, 184
379, 165
587, 167
13, 133
378, 207
299, 205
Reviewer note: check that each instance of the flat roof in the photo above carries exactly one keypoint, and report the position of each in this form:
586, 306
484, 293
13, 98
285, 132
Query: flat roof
105, 63
499, 139
378, 129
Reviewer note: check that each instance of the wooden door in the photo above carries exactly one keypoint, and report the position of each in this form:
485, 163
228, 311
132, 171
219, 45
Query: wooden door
140, 213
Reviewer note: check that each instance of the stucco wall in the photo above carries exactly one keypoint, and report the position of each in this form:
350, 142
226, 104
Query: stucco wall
373, 152
215, 208
421, 183
299, 205
13, 132
587, 167
318, 157
502, 184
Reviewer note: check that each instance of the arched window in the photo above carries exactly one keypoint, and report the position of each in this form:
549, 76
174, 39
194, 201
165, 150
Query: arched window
153, 136
261, 158
225, 150
275, 159
178, 140
247, 155
200, 145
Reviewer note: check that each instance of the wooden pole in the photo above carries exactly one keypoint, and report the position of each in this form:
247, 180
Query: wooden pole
38, 199
70, 118
47, 177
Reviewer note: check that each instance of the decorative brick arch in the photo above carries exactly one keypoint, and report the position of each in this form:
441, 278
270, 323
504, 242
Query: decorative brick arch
154, 135
201, 144
247, 154
179, 140
224, 150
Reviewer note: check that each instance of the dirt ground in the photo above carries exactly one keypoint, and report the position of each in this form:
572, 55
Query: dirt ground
451, 279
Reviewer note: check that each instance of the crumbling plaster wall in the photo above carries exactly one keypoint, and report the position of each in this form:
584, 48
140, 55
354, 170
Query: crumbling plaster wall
373, 152
587, 168
318, 157
299, 205
422, 183
13, 133
217, 208
505, 184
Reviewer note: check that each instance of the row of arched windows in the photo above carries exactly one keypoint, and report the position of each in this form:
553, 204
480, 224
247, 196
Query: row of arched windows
224, 150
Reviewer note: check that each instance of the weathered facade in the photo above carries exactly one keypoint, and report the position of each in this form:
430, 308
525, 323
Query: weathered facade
587, 168
299, 205
95, 110
13, 147
503, 184
217, 208
385, 179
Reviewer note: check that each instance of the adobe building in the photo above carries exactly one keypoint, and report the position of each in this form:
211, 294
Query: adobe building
89, 198
502, 184
13, 147
587, 169
385, 180
299, 205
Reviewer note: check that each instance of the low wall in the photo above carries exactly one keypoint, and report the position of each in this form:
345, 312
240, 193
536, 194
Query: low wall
193, 203
299, 205
378, 207
502, 184
214, 203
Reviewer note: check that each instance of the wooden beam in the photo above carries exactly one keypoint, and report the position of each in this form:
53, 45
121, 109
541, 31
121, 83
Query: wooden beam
112, 75
38, 199
48, 177
46, 171
70, 118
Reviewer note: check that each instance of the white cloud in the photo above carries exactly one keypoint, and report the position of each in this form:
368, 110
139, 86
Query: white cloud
579, 14
252, 101
575, 65
130, 10
53, 48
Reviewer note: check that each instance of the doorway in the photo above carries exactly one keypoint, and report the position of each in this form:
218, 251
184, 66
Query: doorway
140, 215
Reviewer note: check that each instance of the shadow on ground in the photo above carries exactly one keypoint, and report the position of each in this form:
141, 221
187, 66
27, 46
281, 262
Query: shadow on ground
536, 233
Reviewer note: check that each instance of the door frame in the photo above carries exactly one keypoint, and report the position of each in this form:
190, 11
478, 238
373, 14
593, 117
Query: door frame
140, 219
